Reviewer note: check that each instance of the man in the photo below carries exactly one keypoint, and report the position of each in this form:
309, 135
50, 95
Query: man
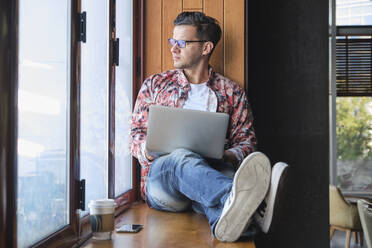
228, 192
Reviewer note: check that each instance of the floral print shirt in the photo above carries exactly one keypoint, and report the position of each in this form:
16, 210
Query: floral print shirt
171, 88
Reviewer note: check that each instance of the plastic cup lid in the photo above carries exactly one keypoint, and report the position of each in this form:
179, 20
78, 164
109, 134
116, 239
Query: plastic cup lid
102, 203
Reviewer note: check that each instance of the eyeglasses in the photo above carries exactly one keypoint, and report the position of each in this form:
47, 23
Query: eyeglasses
182, 43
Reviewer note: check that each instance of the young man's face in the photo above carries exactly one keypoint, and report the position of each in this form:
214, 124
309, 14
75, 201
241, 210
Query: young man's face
191, 55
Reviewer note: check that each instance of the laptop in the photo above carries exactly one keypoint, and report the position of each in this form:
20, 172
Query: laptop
202, 132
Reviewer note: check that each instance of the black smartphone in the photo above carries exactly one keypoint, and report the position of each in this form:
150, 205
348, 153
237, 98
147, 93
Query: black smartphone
129, 228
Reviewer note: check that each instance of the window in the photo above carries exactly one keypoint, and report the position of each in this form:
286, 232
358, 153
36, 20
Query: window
123, 97
354, 143
351, 168
74, 104
43, 119
353, 64
353, 12
94, 101
106, 100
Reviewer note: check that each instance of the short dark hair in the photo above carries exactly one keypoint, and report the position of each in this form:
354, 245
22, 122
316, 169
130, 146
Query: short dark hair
207, 28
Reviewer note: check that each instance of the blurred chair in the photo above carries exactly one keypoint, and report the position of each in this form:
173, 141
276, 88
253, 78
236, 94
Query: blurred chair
365, 213
344, 216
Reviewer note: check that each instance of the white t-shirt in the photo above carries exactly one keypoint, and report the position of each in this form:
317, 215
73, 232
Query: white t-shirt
198, 97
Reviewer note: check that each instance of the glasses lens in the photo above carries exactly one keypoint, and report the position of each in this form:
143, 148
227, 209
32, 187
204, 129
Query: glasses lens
171, 41
181, 43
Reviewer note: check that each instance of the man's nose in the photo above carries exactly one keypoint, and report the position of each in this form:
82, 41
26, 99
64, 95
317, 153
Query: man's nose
175, 48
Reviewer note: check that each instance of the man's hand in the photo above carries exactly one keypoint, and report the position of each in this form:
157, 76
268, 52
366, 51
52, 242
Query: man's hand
229, 157
149, 157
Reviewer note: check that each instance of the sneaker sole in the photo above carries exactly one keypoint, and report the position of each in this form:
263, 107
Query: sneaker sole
280, 170
250, 185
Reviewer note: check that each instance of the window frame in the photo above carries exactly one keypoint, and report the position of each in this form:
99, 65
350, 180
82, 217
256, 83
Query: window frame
78, 230
8, 129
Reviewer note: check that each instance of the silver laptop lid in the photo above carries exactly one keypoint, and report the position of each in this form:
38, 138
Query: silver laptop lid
199, 131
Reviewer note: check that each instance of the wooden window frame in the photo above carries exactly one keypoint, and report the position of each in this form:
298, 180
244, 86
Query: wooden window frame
78, 230
8, 129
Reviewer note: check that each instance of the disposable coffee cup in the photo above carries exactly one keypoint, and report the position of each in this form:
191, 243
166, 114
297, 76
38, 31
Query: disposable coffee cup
102, 218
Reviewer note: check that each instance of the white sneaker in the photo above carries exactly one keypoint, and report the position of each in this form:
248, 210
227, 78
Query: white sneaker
265, 212
250, 185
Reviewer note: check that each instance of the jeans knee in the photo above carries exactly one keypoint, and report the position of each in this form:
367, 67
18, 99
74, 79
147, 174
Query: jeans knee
163, 164
174, 163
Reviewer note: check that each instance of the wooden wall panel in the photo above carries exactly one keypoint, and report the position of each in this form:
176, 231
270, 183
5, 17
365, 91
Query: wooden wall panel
227, 58
234, 40
191, 10
214, 8
171, 8
192, 4
152, 38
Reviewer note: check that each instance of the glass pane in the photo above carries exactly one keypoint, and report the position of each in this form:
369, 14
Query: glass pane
353, 12
94, 101
123, 98
354, 143
43, 117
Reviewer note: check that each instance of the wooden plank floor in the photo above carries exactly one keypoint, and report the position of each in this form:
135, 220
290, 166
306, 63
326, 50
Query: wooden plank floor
163, 230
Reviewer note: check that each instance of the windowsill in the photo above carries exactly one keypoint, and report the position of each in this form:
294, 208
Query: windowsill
163, 229
354, 199
357, 194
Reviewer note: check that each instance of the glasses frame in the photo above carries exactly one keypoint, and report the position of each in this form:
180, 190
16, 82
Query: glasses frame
182, 43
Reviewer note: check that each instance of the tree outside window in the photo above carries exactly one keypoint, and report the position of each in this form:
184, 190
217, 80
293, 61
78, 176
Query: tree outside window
354, 143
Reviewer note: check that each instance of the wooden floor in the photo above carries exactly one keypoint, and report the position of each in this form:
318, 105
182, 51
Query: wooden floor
163, 230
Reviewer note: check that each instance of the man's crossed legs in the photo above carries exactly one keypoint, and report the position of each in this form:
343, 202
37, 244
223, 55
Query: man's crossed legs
183, 178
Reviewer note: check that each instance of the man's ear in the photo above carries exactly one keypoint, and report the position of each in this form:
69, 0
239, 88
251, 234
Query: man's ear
207, 48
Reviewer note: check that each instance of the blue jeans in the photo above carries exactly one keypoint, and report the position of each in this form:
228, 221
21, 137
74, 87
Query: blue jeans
183, 179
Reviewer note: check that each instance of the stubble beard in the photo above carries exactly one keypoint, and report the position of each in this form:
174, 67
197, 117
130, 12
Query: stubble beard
184, 65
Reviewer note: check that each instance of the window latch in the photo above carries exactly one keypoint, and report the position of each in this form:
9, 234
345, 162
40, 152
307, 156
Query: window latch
115, 57
82, 194
82, 35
